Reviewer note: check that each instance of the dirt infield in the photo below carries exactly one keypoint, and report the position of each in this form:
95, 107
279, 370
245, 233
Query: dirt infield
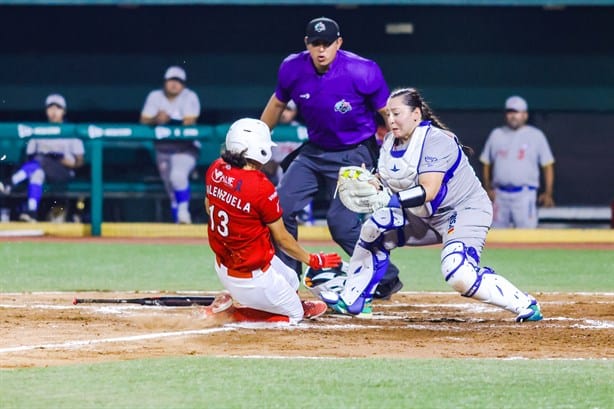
46, 329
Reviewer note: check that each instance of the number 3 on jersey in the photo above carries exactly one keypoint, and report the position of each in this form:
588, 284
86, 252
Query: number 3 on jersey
218, 221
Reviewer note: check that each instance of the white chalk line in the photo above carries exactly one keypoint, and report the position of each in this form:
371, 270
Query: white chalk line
76, 344
71, 294
88, 342
79, 344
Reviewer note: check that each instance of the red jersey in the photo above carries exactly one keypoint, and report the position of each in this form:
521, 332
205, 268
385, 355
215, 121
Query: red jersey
241, 204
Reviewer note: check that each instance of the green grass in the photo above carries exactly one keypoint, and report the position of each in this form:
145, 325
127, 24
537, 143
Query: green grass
202, 382
47, 266
206, 382
530, 269
31, 266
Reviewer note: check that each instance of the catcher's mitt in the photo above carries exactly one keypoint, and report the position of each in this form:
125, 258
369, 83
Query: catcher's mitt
358, 192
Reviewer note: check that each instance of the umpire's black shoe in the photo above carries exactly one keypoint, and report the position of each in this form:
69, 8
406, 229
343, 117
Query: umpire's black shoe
384, 291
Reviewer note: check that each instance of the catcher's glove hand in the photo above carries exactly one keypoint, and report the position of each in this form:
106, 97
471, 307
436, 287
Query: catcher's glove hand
358, 191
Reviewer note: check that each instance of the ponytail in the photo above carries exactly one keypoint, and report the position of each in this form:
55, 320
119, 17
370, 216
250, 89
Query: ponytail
413, 99
428, 114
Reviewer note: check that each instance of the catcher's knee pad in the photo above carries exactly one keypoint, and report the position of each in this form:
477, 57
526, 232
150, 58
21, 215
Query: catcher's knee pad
459, 266
383, 220
460, 269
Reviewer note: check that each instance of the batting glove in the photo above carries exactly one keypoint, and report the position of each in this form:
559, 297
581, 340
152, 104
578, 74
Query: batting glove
318, 261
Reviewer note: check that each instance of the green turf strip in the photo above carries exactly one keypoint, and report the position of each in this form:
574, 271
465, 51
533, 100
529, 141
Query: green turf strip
31, 266
202, 382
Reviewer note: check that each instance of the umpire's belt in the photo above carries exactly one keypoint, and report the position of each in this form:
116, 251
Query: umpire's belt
515, 189
231, 272
368, 142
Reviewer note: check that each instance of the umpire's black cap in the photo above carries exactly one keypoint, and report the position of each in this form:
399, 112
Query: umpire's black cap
322, 29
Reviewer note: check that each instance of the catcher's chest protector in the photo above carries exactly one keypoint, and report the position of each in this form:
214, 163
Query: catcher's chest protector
400, 168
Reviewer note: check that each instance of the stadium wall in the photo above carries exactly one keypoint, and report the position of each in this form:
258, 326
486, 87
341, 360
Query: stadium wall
466, 61
465, 58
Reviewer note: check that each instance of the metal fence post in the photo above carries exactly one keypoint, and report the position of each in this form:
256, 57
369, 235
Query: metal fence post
96, 186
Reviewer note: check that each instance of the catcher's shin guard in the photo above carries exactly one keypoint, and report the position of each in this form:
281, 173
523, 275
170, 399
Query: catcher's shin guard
366, 270
371, 257
460, 270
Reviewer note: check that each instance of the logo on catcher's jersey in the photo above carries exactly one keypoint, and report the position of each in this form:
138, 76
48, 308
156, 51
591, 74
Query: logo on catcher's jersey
220, 177
343, 107
451, 223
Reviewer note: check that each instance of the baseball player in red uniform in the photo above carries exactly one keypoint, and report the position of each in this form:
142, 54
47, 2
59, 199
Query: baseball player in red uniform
244, 215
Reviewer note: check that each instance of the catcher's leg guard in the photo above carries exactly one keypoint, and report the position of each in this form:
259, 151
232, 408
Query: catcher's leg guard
370, 266
370, 258
459, 265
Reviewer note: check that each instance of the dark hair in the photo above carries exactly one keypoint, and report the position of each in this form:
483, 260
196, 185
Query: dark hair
412, 98
234, 159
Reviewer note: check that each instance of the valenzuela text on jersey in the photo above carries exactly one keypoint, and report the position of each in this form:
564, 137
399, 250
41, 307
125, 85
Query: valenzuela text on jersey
228, 198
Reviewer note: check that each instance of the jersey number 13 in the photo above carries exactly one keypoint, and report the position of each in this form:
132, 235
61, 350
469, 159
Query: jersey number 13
218, 221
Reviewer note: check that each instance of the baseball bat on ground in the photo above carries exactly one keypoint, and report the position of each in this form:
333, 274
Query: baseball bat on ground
160, 301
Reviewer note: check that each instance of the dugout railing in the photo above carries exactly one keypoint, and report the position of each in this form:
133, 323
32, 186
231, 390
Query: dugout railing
120, 164
119, 158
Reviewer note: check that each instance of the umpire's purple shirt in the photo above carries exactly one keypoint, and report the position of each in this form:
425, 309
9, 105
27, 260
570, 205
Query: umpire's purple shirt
338, 107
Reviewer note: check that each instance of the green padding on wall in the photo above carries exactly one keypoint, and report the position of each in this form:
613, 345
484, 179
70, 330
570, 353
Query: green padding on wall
121, 142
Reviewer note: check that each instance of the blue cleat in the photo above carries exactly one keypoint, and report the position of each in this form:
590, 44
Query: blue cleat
531, 313
341, 308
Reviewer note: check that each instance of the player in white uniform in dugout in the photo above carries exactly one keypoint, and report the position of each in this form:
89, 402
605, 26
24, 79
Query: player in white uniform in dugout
174, 105
427, 193
511, 160
49, 160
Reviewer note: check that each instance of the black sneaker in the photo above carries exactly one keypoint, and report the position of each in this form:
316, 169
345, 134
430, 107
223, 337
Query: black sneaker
385, 290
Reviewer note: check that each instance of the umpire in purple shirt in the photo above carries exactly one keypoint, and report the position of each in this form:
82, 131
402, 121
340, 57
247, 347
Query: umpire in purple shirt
338, 94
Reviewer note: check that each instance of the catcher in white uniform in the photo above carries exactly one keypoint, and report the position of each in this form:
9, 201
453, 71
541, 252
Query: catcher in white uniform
425, 192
